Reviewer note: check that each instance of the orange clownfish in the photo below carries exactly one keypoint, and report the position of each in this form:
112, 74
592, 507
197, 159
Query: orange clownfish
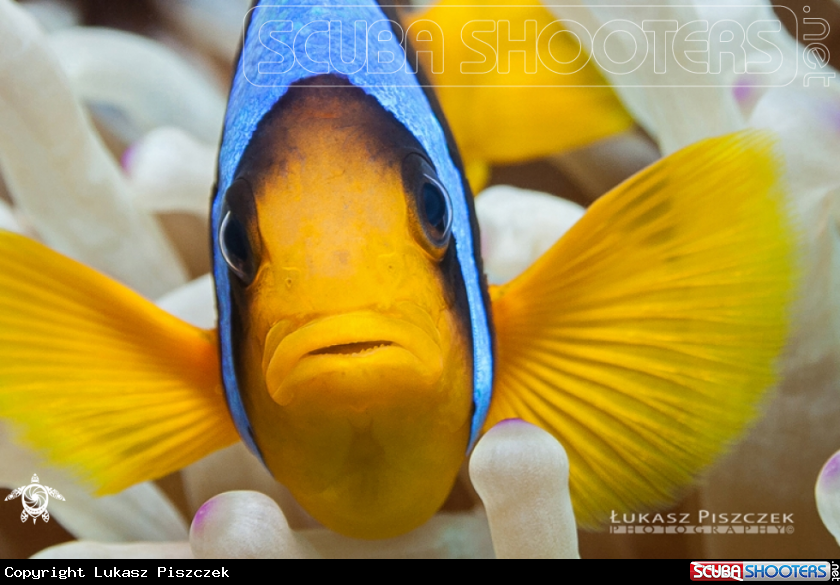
360, 353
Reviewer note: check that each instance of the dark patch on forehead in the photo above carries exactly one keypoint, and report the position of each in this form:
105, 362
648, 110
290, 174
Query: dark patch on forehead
319, 102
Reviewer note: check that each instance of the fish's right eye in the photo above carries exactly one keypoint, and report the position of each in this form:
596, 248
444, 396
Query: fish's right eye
236, 249
240, 247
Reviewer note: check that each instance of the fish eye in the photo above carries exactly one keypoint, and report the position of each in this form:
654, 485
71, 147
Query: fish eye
432, 204
437, 208
234, 240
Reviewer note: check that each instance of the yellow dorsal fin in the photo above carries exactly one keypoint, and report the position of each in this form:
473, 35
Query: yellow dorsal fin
98, 378
644, 338
509, 114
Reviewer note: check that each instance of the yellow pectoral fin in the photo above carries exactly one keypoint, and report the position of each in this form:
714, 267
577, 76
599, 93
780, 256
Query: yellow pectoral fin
644, 338
99, 379
508, 101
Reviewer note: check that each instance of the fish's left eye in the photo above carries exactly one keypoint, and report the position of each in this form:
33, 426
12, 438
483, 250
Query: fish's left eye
432, 206
437, 208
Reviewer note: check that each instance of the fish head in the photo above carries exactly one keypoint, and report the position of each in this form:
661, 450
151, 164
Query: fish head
353, 347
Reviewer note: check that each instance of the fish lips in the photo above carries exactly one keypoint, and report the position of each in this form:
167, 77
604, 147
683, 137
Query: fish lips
354, 353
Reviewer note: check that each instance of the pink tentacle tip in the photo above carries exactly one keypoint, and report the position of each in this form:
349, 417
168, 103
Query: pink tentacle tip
127, 158
201, 515
830, 474
743, 90
510, 422
832, 114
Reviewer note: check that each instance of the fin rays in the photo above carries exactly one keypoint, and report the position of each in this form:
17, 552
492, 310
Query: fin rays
99, 379
645, 337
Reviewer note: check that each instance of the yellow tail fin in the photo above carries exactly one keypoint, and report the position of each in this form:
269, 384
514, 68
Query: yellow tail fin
644, 338
98, 378
538, 102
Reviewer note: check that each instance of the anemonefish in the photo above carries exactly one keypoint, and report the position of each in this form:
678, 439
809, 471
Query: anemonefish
359, 352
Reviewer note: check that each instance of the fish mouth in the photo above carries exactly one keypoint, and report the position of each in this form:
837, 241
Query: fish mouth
359, 346
351, 348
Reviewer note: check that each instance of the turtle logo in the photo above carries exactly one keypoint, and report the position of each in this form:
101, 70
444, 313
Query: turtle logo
35, 500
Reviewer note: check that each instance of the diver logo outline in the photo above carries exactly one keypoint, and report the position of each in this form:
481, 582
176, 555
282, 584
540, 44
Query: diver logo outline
35, 499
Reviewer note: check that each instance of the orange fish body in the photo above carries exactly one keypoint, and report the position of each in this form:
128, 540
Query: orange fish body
352, 358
